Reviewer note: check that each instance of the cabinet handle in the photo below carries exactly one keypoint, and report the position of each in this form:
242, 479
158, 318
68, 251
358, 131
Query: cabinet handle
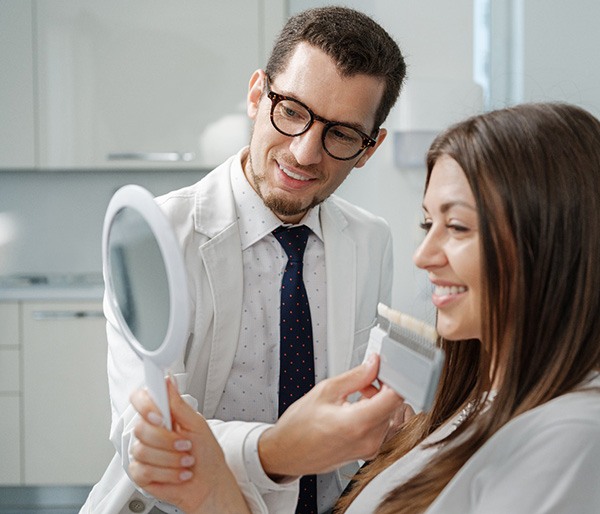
51, 315
152, 156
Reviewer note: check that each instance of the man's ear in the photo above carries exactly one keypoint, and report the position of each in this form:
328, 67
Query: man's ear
371, 150
255, 91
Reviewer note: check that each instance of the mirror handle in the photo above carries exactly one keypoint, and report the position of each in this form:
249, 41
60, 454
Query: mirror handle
155, 382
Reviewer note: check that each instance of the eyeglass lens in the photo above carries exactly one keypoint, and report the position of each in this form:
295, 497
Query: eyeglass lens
292, 118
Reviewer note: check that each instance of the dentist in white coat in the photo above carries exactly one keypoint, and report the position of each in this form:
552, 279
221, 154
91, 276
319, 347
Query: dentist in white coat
317, 109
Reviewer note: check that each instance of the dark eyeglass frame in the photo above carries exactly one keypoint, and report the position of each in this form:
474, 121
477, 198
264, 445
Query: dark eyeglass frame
367, 141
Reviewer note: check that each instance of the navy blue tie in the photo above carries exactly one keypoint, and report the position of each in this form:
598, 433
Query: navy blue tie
296, 358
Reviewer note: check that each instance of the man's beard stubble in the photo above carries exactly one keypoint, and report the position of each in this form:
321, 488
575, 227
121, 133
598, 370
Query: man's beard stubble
279, 206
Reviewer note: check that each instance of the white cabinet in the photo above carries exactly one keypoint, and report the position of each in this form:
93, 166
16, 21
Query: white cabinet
66, 408
135, 84
17, 148
53, 393
10, 398
113, 84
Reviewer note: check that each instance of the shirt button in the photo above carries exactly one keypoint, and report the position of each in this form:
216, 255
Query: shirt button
136, 506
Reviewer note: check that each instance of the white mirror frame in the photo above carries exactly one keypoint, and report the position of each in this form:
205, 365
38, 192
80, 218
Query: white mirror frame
157, 361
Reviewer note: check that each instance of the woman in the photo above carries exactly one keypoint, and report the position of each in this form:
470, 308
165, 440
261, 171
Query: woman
512, 245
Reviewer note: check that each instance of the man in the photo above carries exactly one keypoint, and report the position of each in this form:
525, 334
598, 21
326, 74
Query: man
317, 108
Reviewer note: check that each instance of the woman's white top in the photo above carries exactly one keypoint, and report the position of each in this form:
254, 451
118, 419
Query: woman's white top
546, 460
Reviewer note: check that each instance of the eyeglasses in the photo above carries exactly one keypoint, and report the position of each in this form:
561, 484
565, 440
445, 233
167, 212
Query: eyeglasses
292, 118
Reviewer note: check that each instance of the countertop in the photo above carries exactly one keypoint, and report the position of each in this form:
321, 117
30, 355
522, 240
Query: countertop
52, 286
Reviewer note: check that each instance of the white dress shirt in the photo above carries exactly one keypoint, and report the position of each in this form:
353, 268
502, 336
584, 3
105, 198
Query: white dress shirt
251, 392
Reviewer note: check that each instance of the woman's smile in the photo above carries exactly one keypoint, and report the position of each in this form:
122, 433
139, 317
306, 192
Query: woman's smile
446, 295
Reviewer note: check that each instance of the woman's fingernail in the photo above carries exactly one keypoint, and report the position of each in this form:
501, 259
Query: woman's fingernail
155, 419
185, 475
370, 359
183, 445
187, 460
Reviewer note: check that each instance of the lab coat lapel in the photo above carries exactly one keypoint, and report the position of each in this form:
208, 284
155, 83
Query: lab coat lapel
340, 262
222, 257
223, 260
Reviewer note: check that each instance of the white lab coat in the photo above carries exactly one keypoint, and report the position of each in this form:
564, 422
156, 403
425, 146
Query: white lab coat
358, 258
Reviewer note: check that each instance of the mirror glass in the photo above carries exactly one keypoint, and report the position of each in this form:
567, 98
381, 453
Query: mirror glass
139, 278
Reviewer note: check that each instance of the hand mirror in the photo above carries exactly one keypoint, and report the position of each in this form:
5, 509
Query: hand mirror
146, 285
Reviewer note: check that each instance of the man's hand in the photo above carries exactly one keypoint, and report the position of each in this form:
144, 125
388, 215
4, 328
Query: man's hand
322, 430
186, 466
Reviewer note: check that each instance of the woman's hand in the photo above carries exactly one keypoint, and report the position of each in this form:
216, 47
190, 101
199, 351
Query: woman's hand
186, 466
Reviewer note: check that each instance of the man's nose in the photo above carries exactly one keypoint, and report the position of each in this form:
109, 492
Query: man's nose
307, 148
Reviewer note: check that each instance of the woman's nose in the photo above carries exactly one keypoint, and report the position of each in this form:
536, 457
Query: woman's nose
430, 252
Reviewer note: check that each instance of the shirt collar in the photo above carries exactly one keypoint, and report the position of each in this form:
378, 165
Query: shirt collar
258, 220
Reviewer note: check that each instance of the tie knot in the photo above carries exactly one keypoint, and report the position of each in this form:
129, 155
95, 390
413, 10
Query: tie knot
293, 240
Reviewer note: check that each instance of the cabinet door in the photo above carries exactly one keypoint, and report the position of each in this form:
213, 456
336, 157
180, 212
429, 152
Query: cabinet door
17, 145
10, 455
134, 84
66, 409
10, 402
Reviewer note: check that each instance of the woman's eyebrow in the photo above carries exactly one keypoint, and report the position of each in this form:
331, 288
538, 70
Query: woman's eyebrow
445, 207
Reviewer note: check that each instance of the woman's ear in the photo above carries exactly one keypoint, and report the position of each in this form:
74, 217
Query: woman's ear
255, 91
371, 150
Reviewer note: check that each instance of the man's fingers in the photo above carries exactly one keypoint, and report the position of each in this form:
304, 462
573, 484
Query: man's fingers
380, 406
355, 379
369, 391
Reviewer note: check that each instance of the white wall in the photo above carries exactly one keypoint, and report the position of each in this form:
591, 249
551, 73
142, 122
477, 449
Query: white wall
436, 38
560, 53
546, 50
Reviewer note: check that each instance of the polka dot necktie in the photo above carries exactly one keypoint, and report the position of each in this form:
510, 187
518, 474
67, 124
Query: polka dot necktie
296, 359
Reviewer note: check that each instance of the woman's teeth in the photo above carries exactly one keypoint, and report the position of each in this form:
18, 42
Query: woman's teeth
448, 290
293, 175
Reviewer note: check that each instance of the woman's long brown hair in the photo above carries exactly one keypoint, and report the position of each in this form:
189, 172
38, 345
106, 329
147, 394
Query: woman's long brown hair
534, 171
